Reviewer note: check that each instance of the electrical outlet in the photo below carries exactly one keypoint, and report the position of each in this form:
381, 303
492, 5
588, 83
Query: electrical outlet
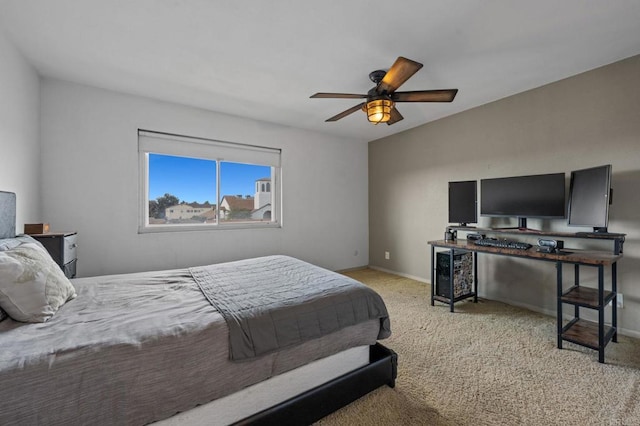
620, 301
387, 255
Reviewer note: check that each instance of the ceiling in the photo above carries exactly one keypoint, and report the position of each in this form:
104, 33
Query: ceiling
263, 59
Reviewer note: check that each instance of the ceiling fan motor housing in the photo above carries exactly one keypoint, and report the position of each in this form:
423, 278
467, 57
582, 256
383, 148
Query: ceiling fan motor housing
377, 76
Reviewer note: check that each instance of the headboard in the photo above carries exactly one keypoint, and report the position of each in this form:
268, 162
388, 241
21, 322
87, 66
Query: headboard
7, 214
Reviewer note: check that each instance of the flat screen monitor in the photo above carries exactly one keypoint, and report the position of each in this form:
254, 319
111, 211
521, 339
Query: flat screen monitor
463, 202
535, 196
589, 197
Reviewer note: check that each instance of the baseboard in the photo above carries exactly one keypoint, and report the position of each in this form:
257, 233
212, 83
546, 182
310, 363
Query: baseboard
355, 268
389, 271
628, 333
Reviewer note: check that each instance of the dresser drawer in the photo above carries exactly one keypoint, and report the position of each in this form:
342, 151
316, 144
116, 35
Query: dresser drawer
70, 269
61, 246
69, 245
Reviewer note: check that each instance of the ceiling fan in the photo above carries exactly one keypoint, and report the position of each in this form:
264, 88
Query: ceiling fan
380, 100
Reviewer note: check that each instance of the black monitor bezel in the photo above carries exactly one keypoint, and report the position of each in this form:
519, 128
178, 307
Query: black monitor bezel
474, 219
561, 177
606, 193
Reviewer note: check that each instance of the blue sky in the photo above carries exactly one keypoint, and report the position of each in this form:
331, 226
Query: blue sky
193, 179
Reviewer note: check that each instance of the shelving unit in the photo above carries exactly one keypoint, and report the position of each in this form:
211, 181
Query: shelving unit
594, 335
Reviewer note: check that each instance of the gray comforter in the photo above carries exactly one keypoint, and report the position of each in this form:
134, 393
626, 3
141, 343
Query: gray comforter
136, 348
274, 302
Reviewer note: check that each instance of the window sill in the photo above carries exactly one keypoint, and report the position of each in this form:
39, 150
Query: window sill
152, 229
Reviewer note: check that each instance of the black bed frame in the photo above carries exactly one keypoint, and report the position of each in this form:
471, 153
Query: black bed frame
320, 401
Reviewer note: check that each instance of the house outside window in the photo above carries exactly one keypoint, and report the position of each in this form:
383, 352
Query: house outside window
196, 184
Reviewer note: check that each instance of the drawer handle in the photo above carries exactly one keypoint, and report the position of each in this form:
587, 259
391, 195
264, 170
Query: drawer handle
74, 245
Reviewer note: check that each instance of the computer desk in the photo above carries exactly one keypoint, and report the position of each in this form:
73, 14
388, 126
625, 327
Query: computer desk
594, 335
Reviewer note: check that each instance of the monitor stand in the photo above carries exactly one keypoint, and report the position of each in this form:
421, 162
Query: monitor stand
522, 225
600, 230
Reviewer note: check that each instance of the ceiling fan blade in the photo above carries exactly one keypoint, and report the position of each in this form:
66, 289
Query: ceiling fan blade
446, 95
399, 72
345, 113
338, 96
395, 116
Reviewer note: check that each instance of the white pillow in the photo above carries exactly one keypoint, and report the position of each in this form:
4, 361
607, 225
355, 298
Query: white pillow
32, 285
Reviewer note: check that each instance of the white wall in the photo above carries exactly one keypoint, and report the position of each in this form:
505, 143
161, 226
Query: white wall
89, 147
19, 133
583, 121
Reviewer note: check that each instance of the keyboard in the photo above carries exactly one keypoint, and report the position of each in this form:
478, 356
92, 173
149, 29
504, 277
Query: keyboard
494, 242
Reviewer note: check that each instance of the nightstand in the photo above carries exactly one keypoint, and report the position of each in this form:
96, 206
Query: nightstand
62, 248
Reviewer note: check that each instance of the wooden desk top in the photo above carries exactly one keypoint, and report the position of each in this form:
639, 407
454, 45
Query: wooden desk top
585, 257
526, 231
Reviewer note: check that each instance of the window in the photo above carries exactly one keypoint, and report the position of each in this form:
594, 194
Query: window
192, 183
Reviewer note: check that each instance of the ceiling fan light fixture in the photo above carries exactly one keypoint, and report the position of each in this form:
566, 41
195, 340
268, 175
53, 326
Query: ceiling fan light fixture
380, 102
379, 110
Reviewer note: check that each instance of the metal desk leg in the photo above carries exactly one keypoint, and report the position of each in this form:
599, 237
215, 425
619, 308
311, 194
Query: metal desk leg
475, 276
559, 308
433, 281
614, 305
576, 282
601, 313
451, 262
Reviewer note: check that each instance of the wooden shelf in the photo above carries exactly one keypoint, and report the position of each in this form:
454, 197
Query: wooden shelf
584, 257
617, 238
527, 231
586, 296
585, 333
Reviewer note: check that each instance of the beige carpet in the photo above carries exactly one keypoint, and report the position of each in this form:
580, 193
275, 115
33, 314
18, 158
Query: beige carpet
490, 364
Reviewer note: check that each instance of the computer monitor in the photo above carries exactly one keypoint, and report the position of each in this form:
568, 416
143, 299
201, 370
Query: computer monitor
534, 196
590, 197
463, 202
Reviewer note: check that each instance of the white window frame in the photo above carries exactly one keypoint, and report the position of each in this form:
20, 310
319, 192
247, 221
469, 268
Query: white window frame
150, 142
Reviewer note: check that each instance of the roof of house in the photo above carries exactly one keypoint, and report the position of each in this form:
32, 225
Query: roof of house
239, 203
263, 208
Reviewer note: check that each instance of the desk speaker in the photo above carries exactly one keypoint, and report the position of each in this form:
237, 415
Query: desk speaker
475, 237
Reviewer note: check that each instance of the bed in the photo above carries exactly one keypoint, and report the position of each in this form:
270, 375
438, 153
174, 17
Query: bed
159, 347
